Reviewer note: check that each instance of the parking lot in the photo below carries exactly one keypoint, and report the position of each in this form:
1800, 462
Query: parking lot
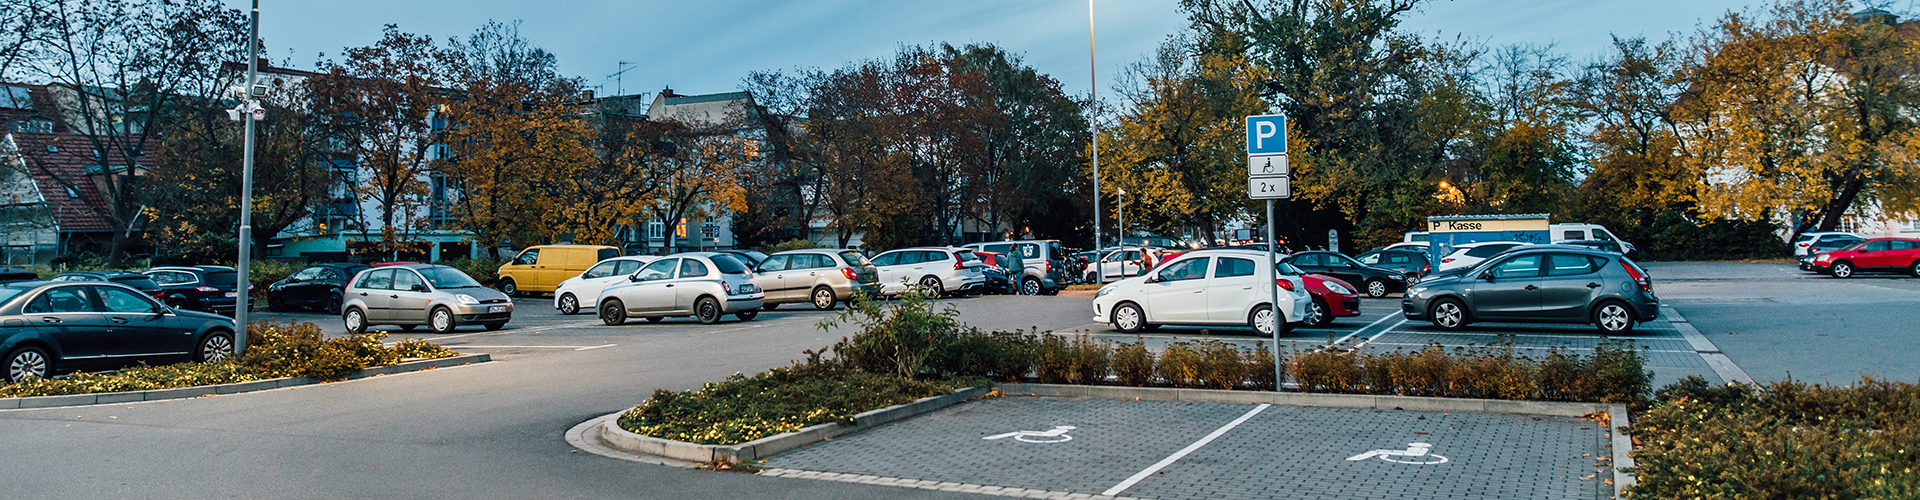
1188, 450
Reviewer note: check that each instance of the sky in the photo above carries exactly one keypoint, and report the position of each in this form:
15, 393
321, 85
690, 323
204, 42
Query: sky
709, 46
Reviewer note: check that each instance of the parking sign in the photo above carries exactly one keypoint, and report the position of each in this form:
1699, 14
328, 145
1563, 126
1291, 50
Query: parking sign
1267, 134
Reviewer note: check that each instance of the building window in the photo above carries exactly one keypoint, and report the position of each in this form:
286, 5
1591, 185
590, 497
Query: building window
710, 231
656, 230
1913, 226
1849, 224
73, 193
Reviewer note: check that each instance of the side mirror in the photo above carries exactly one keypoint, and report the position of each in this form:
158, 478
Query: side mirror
1351, 265
418, 287
292, 280
1487, 276
634, 277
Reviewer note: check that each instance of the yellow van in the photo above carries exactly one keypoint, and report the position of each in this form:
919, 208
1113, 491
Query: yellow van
541, 268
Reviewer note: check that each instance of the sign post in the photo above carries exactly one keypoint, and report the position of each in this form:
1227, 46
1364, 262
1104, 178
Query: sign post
1267, 180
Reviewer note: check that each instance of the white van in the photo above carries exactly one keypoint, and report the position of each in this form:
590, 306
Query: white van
1414, 237
1577, 231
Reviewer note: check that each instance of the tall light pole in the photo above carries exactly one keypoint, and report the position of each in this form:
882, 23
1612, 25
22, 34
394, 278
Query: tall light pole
243, 299
1120, 221
1093, 79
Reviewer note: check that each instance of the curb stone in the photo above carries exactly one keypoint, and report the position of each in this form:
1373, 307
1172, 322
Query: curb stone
233, 388
621, 439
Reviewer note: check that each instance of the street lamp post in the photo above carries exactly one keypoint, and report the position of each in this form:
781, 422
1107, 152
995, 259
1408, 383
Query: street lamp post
1121, 219
1093, 79
252, 113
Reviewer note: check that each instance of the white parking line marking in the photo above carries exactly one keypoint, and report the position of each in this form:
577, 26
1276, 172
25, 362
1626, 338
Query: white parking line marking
1176, 456
1515, 347
589, 348
574, 347
1540, 335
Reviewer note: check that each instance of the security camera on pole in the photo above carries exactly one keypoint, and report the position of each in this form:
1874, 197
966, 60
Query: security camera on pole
248, 111
1267, 180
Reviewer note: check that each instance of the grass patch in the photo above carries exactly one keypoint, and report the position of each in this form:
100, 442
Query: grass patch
275, 350
1783, 440
781, 400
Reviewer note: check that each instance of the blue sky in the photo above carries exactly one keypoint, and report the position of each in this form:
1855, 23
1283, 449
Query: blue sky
708, 46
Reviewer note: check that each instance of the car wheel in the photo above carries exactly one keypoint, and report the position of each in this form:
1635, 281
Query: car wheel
441, 320
177, 302
932, 285
276, 304
1261, 320
1914, 270
707, 310
508, 287
333, 304
1317, 314
495, 326
1376, 288
215, 347
823, 299
1448, 314
1843, 269
747, 315
355, 320
1613, 318
612, 312
1128, 318
654, 319
569, 304
27, 363
1029, 286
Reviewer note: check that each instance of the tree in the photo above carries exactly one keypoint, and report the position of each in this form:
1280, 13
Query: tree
1032, 177
698, 179
388, 95
1636, 173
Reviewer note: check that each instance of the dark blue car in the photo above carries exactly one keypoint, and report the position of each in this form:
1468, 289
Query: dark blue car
47, 328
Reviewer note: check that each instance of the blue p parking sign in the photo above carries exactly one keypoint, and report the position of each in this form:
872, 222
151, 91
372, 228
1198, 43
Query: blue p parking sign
1266, 134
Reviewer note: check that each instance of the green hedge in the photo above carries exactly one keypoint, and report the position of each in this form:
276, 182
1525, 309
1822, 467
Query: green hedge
1782, 440
777, 401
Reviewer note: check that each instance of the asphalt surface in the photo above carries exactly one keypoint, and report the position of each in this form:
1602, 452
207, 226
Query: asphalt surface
496, 430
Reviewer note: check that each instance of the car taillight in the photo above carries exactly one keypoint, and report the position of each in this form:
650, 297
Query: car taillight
959, 265
206, 289
1426, 269
1446, 260
1284, 284
1645, 285
726, 288
849, 273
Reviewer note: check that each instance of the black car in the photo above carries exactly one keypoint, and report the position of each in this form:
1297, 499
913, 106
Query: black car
9, 275
199, 288
316, 287
749, 257
137, 281
51, 327
1373, 281
1410, 263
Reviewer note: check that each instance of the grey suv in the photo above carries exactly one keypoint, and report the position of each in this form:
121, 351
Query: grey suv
1540, 284
1044, 262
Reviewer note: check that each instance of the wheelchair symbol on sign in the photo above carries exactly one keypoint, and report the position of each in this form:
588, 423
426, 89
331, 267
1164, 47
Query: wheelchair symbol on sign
1415, 454
1057, 435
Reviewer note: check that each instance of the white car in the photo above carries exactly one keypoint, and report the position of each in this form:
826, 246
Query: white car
1827, 240
1205, 287
1467, 255
1120, 263
705, 285
567, 296
940, 270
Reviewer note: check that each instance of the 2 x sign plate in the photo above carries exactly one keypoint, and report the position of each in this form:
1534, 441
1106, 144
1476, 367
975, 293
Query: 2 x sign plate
1269, 188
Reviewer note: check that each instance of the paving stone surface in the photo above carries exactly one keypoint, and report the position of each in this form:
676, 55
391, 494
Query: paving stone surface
1281, 452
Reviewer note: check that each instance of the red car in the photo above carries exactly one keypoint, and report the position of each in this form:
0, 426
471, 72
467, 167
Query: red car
1896, 255
1332, 298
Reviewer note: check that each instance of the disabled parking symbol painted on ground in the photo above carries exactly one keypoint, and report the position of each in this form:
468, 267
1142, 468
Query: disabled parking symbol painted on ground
1415, 454
1055, 435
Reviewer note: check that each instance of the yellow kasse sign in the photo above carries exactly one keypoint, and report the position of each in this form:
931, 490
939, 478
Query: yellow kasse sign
1458, 226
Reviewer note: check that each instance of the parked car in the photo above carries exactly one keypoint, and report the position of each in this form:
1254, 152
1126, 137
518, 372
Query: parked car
1540, 284
1043, 261
541, 268
1886, 255
1411, 264
749, 257
820, 277
200, 288
441, 297
1374, 281
586, 287
137, 281
1825, 242
318, 286
1121, 263
87, 325
9, 275
941, 271
1421, 247
1332, 297
705, 285
1466, 255
1577, 231
1000, 279
1206, 287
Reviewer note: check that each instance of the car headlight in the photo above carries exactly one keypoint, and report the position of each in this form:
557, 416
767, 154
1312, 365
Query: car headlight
1416, 290
1103, 291
466, 299
1336, 288
1823, 258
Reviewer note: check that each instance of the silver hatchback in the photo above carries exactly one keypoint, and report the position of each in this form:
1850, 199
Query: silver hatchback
411, 295
1540, 284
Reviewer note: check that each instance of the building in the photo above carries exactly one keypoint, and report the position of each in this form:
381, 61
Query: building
50, 188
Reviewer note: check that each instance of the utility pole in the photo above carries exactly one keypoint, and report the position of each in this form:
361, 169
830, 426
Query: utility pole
253, 112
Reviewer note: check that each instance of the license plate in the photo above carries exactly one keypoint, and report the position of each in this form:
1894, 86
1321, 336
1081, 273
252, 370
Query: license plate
497, 309
232, 294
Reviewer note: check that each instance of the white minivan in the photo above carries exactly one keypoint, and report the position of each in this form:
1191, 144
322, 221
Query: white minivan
1203, 287
1577, 231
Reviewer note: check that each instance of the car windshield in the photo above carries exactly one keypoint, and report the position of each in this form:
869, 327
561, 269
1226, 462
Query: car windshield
447, 277
729, 264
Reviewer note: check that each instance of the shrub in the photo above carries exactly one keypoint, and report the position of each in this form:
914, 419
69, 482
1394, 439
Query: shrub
793, 244
421, 349
1179, 365
1783, 440
264, 272
1053, 359
1133, 363
1325, 370
781, 400
1090, 359
1261, 369
1220, 365
137, 378
969, 354
1015, 358
897, 338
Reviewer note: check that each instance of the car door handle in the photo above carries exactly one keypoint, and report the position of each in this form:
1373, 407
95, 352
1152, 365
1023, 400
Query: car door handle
1532, 288
119, 321
1199, 291
393, 296
363, 294
669, 285
1593, 285
50, 319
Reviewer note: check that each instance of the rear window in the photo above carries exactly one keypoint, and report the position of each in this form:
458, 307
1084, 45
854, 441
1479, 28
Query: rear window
728, 264
854, 258
7, 294
967, 256
220, 278
1487, 251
